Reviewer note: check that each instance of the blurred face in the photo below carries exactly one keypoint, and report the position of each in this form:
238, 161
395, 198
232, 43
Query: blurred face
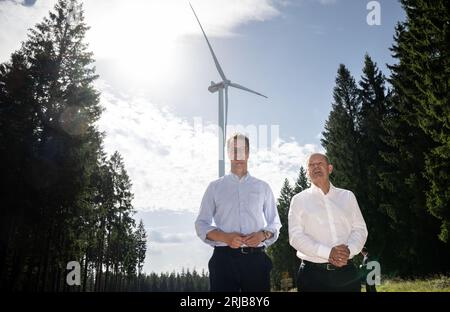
319, 169
238, 154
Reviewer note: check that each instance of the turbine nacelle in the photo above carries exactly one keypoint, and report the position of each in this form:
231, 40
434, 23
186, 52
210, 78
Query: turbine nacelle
214, 87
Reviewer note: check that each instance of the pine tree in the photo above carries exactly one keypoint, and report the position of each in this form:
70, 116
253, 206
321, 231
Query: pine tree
302, 182
121, 251
63, 199
284, 259
341, 137
374, 110
414, 247
141, 249
58, 149
424, 60
280, 251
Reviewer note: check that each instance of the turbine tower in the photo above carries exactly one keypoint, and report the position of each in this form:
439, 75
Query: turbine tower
223, 109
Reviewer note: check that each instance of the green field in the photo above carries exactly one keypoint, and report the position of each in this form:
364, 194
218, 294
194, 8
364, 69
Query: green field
434, 284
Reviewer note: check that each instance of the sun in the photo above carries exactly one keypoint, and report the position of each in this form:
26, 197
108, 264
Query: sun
138, 38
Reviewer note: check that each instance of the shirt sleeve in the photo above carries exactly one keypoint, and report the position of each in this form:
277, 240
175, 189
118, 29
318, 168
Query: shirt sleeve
297, 236
271, 216
204, 221
358, 234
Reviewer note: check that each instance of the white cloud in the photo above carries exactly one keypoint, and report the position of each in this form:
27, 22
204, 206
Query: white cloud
140, 37
119, 26
122, 19
172, 243
169, 238
171, 160
15, 20
149, 34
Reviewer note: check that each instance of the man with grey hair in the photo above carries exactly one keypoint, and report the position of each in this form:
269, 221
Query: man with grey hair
239, 218
327, 229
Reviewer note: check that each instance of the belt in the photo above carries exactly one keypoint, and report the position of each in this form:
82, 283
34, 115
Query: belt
327, 266
240, 250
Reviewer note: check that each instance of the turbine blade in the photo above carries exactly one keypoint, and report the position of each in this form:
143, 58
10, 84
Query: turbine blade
219, 69
238, 86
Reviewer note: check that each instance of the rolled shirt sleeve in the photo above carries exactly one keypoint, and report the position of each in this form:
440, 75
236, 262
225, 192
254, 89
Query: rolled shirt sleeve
203, 223
358, 235
271, 216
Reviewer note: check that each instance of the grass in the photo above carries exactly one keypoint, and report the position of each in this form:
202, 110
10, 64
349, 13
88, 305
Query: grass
433, 284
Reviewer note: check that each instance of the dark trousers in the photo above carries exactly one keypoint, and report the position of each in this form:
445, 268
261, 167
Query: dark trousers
371, 288
311, 278
233, 270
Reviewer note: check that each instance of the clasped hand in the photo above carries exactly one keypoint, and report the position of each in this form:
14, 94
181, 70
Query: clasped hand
236, 240
339, 255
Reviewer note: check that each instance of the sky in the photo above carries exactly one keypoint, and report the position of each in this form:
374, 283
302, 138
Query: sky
155, 67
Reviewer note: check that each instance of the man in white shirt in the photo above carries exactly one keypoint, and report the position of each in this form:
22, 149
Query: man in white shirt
327, 229
239, 218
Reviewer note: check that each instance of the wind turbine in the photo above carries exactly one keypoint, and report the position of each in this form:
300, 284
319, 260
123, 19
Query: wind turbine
223, 110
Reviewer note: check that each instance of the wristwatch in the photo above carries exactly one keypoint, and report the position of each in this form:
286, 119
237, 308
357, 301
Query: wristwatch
267, 235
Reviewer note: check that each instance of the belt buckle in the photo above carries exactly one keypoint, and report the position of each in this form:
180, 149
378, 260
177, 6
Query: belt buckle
330, 267
243, 251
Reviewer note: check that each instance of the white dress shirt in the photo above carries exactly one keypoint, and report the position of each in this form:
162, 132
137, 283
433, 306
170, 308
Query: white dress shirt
318, 222
244, 205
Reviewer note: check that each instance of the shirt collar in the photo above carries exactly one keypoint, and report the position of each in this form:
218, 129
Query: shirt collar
235, 178
315, 188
